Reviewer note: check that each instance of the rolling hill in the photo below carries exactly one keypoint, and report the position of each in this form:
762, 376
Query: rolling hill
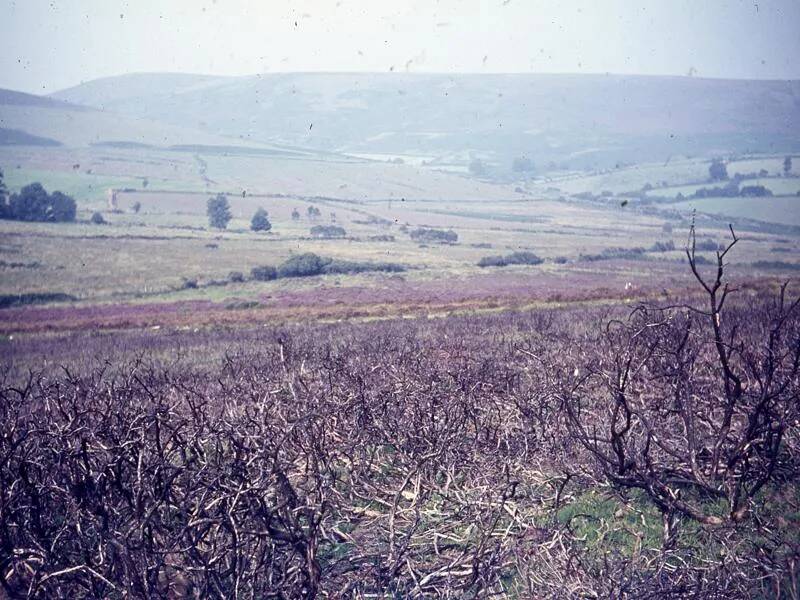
575, 121
27, 119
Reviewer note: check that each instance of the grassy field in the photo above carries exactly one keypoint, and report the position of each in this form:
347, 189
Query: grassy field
149, 256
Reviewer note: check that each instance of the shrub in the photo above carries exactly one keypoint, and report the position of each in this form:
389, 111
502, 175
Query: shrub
236, 276
515, 258
667, 246
8, 300
190, 284
615, 253
302, 265
97, 218
218, 211
342, 267
755, 191
328, 231
260, 221
262, 273
707, 245
776, 264
136, 207
424, 234
492, 261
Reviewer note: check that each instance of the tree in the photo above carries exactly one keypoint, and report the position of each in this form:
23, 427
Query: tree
136, 207
219, 211
295, 215
260, 221
477, 168
522, 164
313, 212
97, 218
62, 207
30, 204
787, 165
717, 171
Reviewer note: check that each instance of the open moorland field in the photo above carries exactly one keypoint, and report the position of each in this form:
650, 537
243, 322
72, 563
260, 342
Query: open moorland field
608, 244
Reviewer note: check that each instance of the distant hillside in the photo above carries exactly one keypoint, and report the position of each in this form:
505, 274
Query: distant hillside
26, 119
577, 120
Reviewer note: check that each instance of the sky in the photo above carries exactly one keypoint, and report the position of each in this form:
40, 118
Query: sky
47, 45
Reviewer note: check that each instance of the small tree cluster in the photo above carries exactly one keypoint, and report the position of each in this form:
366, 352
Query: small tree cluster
33, 203
313, 213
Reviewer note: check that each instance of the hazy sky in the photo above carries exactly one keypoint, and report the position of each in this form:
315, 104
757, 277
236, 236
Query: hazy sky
46, 45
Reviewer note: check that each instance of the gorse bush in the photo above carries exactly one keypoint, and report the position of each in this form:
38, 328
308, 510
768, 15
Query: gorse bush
310, 264
263, 273
328, 231
341, 267
302, 265
515, 258
427, 235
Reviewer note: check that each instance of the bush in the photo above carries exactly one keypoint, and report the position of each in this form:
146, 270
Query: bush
667, 246
190, 284
309, 264
515, 258
302, 265
492, 261
8, 300
262, 273
136, 207
342, 267
427, 235
707, 245
328, 231
98, 219
615, 253
236, 276
260, 221
755, 191
218, 211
